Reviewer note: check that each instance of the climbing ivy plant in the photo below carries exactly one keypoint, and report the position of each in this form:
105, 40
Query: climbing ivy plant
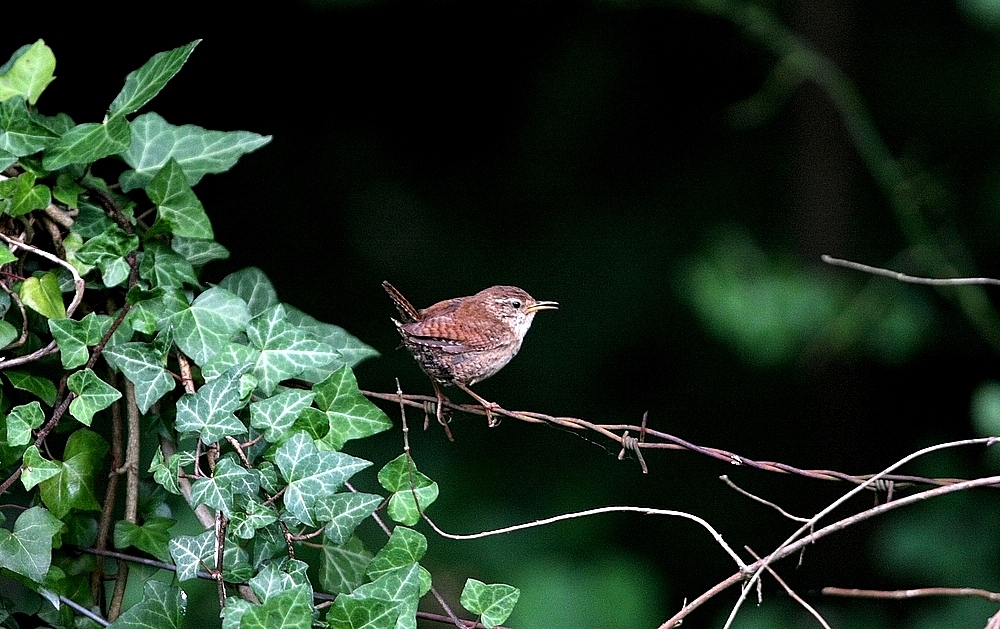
127, 379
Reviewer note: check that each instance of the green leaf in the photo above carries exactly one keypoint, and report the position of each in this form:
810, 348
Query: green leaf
217, 491
205, 327
108, 251
189, 551
351, 350
342, 566
20, 132
166, 472
493, 603
253, 286
254, 516
43, 388
74, 486
8, 334
37, 468
198, 151
273, 580
405, 547
21, 421
312, 474
179, 210
209, 411
27, 196
292, 609
74, 337
6, 256
368, 613
145, 368
92, 395
343, 512
162, 607
400, 587
152, 537
146, 82
30, 73
285, 352
43, 296
276, 414
198, 252
27, 550
231, 356
164, 268
87, 143
401, 477
351, 414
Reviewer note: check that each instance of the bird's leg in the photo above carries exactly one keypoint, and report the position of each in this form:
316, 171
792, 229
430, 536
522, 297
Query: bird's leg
489, 406
439, 412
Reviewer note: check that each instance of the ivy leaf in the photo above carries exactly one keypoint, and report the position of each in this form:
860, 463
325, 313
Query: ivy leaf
74, 337
291, 609
285, 352
178, 209
254, 516
146, 82
152, 537
368, 613
198, 252
397, 476
27, 550
37, 468
87, 143
42, 295
343, 512
107, 251
145, 368
189, 551
351, 350
342, 566
162, 607
493, 603
27, 196
399, 588
273, 580
205, 327
231, 356
164, 268
29, 74
8, 334
276, 414
20, 133
166, 472
6, 257
351, 414
253, 286
228, 478
92, 395
43, 388
21, 421
405, 546
198, 151
74, 486
209, 411
312, 473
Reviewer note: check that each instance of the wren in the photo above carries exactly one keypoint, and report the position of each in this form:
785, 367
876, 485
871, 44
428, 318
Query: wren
462, 341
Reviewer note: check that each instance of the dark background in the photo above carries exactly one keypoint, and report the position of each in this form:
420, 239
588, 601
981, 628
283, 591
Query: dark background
597, 155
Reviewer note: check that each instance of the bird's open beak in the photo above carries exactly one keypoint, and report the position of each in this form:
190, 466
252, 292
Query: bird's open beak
542, 305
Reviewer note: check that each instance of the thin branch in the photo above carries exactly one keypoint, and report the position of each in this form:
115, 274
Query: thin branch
787, 548
83, 611
798, 599
78, 281
768, 503
914, 593
902, 277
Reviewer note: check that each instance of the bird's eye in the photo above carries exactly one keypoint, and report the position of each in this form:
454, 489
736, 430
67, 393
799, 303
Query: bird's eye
516, 303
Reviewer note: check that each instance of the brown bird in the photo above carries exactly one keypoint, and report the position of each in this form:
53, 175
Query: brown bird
462, 341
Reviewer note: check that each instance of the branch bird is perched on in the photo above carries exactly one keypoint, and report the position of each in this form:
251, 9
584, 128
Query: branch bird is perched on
459, 342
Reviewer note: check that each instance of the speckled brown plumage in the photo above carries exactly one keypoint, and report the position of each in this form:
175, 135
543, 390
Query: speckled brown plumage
465, 340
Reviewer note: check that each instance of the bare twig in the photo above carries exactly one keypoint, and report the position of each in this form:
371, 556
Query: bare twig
912, 593
798, 599
902, 277
77, 280
768, 503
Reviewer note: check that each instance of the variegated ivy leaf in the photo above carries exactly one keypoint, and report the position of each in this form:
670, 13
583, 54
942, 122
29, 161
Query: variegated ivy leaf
92, 395
400, 588
254, 287
405, 546
190, 551
273, 580
276, 414
493, 603
342, 566
285, 351
343, 512
206, 326
21, 421
401, 477
162, 606
351, 415
209, 411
